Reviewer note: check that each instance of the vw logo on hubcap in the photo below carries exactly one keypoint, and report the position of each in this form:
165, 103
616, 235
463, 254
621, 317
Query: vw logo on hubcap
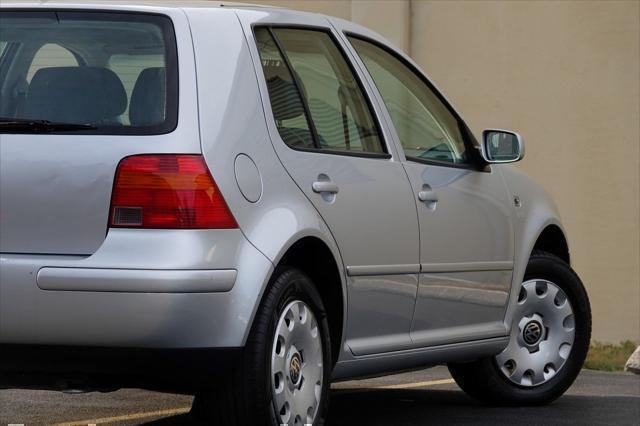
295, 366
532, 332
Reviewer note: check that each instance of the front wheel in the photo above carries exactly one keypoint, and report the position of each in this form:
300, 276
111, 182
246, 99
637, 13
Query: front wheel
548, 343
285, 374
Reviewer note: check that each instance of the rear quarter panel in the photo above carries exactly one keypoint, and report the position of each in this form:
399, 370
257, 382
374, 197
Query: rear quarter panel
233, 122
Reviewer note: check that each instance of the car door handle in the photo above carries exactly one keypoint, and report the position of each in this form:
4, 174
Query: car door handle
427, 196
324, 187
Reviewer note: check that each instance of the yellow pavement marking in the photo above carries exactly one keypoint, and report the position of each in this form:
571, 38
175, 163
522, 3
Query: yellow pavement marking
183, 410
125, 417
398, 386
417, 384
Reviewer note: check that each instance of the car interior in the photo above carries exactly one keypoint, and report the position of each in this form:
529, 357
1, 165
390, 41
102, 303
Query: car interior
57, 72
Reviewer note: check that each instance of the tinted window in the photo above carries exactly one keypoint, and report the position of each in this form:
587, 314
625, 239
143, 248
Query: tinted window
115, 72
286, 102
49, 56
341, 119
129, 67
426, 127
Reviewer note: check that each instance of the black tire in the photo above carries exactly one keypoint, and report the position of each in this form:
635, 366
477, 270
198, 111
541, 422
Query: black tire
245, 397
483, 380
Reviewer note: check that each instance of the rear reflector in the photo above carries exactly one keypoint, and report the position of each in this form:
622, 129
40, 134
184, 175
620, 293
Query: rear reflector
168, 191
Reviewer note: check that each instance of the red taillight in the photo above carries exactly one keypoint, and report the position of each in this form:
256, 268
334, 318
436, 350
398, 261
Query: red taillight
167, 191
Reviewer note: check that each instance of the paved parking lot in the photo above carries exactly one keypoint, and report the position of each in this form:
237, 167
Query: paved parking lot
417, 398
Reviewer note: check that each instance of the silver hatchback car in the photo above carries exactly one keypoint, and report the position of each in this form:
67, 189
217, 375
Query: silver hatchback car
247, 203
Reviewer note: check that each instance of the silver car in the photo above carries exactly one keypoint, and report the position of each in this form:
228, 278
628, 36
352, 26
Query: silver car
248, 203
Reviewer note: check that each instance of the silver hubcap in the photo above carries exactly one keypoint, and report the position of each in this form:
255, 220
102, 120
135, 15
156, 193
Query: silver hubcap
296, 365
542, 334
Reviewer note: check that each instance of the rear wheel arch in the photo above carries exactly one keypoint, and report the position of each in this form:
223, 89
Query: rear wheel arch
313, 256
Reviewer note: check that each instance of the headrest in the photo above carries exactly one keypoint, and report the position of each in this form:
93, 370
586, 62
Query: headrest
149, 97
75, 95
285, 100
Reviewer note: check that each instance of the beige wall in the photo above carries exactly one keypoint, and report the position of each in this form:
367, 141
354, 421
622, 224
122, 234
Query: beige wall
390, 18
566, 75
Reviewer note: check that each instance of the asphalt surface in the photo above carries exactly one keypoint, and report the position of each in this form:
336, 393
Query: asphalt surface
417, 398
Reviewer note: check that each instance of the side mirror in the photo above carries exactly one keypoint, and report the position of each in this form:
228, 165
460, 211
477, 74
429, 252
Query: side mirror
502, 146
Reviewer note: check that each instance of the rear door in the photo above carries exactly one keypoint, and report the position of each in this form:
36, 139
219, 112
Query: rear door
111, 82
328, 138
466, 233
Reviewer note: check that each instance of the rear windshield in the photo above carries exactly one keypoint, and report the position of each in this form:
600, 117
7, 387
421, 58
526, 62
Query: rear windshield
87, 72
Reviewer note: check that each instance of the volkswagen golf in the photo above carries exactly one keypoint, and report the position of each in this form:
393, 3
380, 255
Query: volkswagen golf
247, 203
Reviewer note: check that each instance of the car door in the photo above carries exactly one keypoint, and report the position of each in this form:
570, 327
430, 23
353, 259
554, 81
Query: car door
466, 233
336, 153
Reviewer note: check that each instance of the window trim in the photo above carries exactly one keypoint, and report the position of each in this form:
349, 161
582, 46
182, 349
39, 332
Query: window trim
172, 65
386, 155
470, 142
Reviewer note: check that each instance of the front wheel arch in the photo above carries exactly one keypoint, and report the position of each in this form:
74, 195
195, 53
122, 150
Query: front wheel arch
482, 378
553, 241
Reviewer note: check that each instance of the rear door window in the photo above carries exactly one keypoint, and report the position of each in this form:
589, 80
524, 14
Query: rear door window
308, 75
286, 101
112, 73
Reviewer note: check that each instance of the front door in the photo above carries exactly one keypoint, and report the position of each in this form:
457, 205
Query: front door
466, 234
334, 150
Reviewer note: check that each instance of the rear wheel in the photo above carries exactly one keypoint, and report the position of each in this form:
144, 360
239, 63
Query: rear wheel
548, 343
285, 374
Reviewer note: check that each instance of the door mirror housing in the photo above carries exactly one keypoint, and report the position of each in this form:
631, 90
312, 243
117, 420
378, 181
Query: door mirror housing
502, 146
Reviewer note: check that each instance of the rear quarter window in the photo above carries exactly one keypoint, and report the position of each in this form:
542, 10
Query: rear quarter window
115, 72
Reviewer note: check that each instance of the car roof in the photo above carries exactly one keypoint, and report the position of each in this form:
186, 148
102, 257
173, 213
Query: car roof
152, 6
133, 4
165, 5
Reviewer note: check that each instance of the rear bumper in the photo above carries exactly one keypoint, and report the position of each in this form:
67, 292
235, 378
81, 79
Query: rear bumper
153, 290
